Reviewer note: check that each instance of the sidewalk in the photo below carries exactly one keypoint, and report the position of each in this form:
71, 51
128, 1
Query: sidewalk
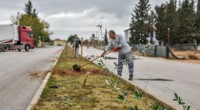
162, 77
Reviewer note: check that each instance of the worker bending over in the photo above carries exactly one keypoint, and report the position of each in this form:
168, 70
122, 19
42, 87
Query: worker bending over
118, 43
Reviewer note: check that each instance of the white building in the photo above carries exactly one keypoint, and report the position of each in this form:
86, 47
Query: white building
127, 34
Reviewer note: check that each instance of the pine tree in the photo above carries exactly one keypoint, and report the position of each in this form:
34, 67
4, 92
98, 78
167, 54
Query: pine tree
172, 22
198, 22
28, 8
198, 6
139, 27
106, 38
161, 23
35, 13
182, 21
198, 16
187, 21
167, 20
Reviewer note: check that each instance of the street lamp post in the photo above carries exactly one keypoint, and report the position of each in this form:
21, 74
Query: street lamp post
100, 26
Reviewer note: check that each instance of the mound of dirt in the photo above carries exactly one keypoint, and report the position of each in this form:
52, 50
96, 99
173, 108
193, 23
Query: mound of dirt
71, 72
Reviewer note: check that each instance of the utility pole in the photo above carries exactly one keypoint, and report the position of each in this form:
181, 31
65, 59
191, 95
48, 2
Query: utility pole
167, 46
168, 36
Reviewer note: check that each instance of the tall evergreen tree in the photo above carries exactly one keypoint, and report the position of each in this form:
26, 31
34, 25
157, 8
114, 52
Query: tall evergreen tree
172, 22
198, 22
167, 22
139, 26
35, 13
28, 8
198, 6
161, 23
198, 15
187, 21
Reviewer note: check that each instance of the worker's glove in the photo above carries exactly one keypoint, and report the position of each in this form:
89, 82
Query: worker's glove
116, 49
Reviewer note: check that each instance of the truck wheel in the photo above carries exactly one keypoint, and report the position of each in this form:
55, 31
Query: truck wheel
5, 48
27, 47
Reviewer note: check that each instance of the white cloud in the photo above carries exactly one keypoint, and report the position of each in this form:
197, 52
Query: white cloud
85, 22
77, 16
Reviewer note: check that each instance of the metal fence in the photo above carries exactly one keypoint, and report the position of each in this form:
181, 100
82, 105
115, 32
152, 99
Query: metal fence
152, 50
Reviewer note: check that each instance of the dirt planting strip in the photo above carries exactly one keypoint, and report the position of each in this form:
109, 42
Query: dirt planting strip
71, 72
38, 75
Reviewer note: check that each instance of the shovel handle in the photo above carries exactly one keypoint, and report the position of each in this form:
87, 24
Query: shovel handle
96, 58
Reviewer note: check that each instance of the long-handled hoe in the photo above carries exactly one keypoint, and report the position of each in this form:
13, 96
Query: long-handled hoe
77, 67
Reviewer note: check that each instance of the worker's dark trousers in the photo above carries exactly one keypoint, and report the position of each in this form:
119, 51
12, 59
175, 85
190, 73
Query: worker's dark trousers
121, 58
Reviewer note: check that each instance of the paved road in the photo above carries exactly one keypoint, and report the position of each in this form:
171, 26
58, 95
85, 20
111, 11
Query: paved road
17, 86
167, 76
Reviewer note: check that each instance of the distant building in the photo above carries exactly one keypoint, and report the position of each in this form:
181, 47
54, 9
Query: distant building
58, 42
127, 35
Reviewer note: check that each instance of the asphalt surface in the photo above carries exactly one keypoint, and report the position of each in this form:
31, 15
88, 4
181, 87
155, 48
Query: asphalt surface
162, 77
17, 85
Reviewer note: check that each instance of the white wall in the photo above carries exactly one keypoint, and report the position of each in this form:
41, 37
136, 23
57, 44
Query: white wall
198, 48
127, 35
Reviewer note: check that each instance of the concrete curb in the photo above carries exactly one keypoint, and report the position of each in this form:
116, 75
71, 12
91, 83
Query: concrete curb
37, 95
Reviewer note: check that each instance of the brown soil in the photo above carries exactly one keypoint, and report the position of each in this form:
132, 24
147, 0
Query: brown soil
188, 55
38, 75
71, 72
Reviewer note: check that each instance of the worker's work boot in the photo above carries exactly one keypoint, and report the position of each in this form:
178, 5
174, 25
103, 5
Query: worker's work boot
131, 78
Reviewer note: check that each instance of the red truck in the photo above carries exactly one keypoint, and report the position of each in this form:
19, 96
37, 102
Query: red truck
13, 37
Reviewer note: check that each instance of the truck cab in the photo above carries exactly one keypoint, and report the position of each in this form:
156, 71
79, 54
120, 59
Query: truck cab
13, 37
26, 37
